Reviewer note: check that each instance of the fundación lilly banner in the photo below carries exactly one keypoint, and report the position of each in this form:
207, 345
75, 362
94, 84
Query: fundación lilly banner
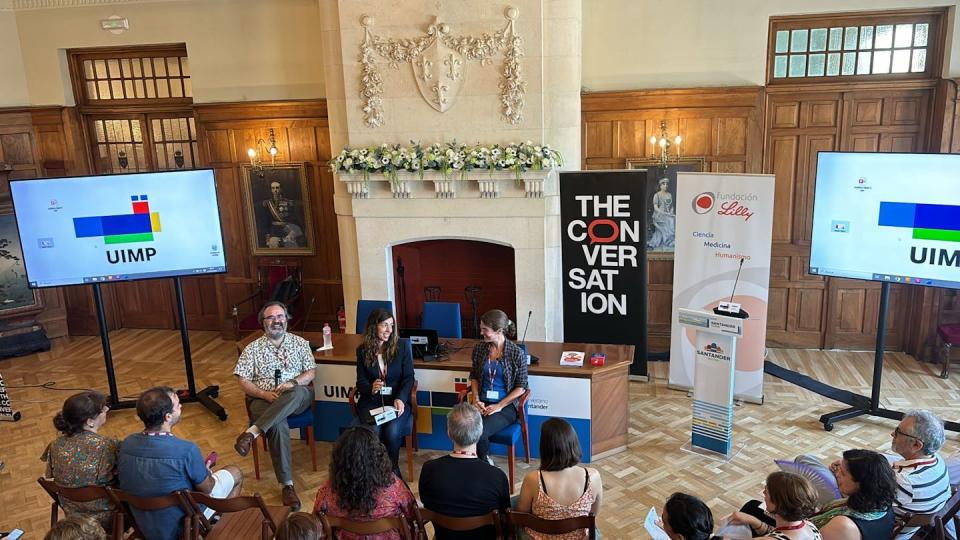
721, 219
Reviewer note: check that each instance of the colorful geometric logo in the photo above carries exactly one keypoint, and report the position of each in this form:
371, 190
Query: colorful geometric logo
122, 228
928, 221
713, 347
703, 202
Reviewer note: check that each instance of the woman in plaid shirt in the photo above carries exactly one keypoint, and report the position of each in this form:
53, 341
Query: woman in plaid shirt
498, 376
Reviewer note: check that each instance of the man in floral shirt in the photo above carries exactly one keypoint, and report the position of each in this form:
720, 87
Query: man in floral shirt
274, 371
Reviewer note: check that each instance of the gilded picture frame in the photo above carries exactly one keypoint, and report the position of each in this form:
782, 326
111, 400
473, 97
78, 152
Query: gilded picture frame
662, 200
16, 297
277, 205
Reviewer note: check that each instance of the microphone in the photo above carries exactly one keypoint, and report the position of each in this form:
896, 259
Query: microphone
276, 377
741, 314
523, 344
526, 326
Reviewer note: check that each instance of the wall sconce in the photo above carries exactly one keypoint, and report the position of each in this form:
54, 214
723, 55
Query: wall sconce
178, 159
122, 159
664, 143
256, 155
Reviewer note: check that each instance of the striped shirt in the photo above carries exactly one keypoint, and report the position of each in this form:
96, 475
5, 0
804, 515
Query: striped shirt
922, 485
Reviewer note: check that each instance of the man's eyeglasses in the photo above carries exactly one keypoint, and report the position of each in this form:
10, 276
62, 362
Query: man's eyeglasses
275, 318
897, 431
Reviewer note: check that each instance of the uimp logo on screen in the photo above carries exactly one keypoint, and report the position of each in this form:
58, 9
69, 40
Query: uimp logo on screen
136, 227
727, 204
608, 234
926, 222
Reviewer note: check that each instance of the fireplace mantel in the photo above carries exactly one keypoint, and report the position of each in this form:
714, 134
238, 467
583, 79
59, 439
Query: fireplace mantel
435, 185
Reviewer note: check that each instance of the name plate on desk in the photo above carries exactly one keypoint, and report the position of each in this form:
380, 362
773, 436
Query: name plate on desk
382, 415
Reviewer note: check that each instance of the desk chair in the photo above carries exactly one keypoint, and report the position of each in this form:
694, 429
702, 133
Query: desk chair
444, 317
934, 526
509, 435
190, 526
552, 526
410, 439
364, 307
241, 518
79, 495
950, 335
458, 524
302, 421
395, 523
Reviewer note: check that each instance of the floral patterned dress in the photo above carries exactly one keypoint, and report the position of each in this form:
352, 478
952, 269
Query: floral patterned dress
392, 500
545, 507
84, 459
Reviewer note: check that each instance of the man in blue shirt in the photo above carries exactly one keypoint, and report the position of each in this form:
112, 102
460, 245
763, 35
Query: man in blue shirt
155, 462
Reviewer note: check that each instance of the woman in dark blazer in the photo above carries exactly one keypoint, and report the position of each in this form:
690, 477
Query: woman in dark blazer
385, 377
498, 376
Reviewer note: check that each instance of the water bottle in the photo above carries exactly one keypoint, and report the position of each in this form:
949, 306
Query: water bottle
327, 336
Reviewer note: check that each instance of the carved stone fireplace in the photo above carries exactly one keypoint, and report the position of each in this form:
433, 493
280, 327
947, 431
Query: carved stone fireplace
528, 223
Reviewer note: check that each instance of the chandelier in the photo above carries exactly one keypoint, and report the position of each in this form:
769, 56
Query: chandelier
256, 155
662, 144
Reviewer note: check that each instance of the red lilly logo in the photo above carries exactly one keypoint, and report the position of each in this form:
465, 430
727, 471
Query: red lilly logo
733, 208
703, 202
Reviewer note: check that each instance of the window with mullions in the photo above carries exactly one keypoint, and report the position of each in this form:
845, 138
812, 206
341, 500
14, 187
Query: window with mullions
862, 46
110, 75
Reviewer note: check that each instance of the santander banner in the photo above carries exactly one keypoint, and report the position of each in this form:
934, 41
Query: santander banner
721, 220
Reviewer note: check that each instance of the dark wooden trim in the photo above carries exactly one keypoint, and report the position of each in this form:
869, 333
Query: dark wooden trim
234, 112
680, 98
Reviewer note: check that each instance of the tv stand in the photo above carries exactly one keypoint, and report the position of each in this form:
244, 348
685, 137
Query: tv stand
874, 409
205, 397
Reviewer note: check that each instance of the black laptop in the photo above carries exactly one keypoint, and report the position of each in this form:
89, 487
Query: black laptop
423, 340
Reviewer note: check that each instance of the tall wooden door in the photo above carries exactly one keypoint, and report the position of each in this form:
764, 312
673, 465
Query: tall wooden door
882, 121
807, 310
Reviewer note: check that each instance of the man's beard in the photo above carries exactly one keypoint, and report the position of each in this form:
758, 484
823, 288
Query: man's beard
276, 329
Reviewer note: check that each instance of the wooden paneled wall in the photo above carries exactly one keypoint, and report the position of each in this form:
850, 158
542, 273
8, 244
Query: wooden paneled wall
722, 125
225, 132
42, 142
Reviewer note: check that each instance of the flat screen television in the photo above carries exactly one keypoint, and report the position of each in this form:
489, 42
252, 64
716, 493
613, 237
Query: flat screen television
887, 217
101, 229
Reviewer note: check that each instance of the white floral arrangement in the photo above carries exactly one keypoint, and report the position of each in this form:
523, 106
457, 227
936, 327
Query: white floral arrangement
448, 158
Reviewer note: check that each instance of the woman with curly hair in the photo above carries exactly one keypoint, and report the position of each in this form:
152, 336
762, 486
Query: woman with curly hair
790, 499
866, 479
362, 485
385, 377
80, 456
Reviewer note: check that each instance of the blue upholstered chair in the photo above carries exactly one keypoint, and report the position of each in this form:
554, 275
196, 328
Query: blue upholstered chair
444, 317
509, 435
364, 307
302, 421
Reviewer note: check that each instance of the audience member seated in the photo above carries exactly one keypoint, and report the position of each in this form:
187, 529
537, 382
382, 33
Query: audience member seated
460, 484
686, 517
82, 457
300, 526
76, 528
560, 489
790, 499
869, 487
274, 371
382, 365
922, 479
361, 484
498, 376
155, 463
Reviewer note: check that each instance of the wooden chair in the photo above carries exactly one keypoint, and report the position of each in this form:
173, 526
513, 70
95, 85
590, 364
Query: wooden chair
278, 279
551, 526
396, 523
509, 435
458, 524
189, 527
242, 518
302, 421
933, 526
409, 440
79, 495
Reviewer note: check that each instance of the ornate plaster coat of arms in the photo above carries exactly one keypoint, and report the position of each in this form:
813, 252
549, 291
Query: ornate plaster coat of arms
438, 60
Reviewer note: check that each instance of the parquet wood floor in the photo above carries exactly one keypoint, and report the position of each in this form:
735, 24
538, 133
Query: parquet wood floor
644, 475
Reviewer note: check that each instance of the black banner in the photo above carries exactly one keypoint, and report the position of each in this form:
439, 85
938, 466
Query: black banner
604, 236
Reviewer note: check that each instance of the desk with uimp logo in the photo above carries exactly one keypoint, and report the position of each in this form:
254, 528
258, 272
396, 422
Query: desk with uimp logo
593, 399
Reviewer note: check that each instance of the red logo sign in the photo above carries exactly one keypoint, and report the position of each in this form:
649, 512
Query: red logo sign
703, 202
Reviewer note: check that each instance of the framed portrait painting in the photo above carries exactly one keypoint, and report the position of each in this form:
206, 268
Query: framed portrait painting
661, 196
16, 297
277, 203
